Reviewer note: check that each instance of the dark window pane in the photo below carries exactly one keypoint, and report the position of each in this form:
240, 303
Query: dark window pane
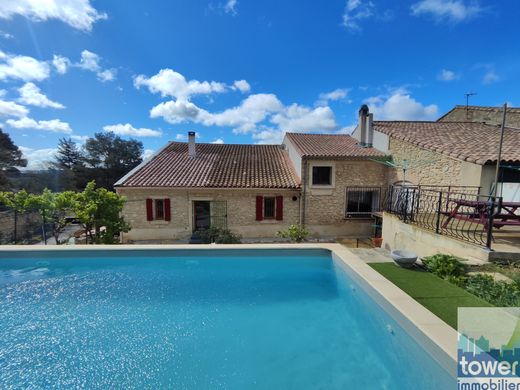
322, 175
159, 209
269, 205
362, 202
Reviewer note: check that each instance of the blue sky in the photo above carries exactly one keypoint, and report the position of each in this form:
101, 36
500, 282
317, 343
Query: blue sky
244, 71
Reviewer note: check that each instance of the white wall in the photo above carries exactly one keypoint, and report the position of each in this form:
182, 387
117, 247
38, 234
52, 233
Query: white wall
294, 156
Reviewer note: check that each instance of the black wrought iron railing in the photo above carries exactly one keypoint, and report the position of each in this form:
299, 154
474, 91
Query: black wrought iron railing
458, 212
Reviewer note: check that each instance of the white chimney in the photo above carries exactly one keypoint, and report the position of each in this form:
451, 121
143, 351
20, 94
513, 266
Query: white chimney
362, 123
191, 144
370, 130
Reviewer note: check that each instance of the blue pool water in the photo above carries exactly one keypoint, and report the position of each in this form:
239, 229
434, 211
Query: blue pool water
257, 319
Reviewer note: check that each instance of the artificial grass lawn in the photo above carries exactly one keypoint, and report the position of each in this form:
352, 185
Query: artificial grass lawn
439, 296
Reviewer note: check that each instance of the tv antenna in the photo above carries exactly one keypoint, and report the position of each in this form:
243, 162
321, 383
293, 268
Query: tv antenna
468, 95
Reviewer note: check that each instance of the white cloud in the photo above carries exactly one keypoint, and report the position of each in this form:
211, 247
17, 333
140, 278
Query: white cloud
54, 125
61, 64
91, 61
254, 114
12, 109
22, 67
452, 10
78, 14
355, 12
80, 138
38, 158
244, 118
447, 75
400, 106
231, 7
31, 94
337, 94
107, 75
148, 153
170, 83
218, 141
128, 129
490, 77
181, 137
178, 111
241, 85
299, 118
6, 35
269, 136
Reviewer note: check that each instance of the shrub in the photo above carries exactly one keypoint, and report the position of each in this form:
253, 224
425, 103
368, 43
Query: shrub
445, 266
218, 236
497, 293
296, 233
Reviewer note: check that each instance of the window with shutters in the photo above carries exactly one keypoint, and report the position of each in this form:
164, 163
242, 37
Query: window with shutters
269, 207
159, 209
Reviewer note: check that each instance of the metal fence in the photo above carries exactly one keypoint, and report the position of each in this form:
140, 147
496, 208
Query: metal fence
458, 212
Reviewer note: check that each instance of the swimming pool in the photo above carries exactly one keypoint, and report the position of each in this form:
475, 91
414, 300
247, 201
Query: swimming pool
200, 319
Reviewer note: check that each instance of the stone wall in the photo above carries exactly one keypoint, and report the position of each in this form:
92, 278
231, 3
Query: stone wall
431, 168
492, 116
325, 207
27, 225
241, 212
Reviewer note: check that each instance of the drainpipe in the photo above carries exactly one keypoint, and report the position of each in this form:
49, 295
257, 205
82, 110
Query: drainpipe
304, 191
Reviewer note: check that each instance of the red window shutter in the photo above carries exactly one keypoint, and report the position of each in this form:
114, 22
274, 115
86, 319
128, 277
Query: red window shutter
279, 208
167, 210
259, 208
149, 209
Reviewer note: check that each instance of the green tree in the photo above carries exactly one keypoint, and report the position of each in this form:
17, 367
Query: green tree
68, 155
69, 160
54, 208
19, 202
99, 211
10, 158
110, 157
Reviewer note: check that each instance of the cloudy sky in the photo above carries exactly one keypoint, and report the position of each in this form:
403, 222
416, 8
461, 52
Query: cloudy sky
240, 71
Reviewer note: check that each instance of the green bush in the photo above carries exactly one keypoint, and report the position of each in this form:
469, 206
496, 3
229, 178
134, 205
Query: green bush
296, 233
497, 293
445, 266
218, 236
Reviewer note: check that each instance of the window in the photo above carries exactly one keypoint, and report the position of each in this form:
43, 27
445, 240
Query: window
362, 202
322, 176
159, 209
269, 207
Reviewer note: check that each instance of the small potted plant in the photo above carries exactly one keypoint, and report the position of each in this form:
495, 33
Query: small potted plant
377, 242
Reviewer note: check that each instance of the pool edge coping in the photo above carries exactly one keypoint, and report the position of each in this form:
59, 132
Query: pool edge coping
430, 326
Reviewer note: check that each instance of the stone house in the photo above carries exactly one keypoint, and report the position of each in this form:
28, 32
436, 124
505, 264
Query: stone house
482, 114
343, 183
327, 182
448, 153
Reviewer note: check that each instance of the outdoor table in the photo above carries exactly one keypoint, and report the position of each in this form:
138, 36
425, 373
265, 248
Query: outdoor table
506, 215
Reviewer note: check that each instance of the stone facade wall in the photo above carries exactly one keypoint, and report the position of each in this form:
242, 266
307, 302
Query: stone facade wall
241, 212
325, 207
425, 166
491, 117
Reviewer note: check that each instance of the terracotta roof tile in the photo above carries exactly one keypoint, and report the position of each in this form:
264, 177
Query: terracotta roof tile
339, 146
468, 141
215, 166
